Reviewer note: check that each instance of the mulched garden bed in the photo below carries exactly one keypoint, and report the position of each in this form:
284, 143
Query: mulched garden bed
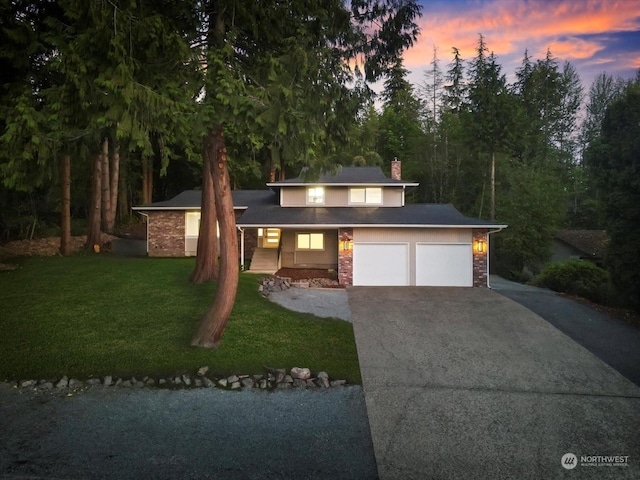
317, 278
306, 273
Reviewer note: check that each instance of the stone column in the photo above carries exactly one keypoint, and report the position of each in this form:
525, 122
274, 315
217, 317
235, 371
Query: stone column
345, 257
480, 259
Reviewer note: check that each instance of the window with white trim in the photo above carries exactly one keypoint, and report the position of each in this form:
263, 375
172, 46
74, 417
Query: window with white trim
365, 196
315, 196
310, 241
192, 224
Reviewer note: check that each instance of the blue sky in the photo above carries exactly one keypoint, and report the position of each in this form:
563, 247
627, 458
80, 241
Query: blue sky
594, 35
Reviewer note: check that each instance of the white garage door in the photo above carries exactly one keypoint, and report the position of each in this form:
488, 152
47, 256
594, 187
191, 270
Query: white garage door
444, 265
380, 264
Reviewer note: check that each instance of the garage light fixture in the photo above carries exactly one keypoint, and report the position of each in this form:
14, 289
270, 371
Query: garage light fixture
480, 246
347, 245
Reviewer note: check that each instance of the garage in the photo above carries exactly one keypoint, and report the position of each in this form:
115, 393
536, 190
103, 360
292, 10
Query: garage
444, 265
377, 264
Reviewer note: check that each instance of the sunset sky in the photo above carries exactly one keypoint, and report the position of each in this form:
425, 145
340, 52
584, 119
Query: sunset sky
595, 36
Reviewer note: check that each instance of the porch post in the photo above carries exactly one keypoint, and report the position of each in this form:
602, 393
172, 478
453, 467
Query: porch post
241, 249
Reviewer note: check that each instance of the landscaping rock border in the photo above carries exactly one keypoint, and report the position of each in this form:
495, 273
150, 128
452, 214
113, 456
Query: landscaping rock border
274, 283
272, 379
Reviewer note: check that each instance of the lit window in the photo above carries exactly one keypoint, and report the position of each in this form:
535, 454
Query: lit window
357, 195
310, 241
315, 195
374, 195
368, 196
192, 227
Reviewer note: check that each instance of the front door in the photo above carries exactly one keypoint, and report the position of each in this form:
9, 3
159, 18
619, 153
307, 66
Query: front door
270, 237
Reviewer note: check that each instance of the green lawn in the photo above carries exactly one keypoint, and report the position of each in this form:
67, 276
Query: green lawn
89, 316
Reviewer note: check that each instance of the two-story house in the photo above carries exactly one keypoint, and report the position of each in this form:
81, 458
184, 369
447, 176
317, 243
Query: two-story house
355, 221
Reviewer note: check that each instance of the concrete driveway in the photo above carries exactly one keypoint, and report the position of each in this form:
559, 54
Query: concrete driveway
465, 383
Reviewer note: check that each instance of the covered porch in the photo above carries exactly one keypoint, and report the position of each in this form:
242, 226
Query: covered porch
291, 248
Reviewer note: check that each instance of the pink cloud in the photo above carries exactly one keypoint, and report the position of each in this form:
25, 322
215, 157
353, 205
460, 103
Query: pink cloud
510, 27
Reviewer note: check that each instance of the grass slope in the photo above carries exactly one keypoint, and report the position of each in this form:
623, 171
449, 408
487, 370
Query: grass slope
89, 316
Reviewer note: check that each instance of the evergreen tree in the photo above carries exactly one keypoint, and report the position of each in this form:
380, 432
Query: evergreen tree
455, 95
400, 123
614, 161
603, 91
588, 211
491, 110
452, 135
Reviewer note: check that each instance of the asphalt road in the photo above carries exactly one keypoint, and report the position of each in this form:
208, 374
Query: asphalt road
201, 433
613, 341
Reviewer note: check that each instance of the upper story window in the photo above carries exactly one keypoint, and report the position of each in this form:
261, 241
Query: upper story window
365, 196
315, 195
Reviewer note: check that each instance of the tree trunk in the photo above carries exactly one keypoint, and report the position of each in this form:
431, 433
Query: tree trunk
492, 207
274, 161
94, 234
206, 269
147, 180
106, 185
65, 207
113, 188
145, 194
212, 325
123, 189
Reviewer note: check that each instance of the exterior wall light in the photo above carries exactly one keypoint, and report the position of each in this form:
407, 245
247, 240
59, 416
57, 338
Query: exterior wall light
480, 246
347, 245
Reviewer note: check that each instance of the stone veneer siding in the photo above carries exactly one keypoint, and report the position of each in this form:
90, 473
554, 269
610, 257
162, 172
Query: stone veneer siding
345, 258
165, 233
480, 259
167, 236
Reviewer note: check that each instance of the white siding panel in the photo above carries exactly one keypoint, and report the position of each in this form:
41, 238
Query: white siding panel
424, 235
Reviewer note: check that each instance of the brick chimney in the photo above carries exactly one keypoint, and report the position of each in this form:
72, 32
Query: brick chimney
396, 169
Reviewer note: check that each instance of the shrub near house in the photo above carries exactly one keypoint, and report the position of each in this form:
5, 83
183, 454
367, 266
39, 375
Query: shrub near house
577, 277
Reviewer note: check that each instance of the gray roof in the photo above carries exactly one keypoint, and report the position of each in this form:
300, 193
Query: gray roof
413, 215
590, 242
345, 176
263, 210
191, 200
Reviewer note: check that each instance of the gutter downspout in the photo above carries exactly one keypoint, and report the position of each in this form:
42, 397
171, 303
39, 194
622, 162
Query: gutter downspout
489, 232
147, 223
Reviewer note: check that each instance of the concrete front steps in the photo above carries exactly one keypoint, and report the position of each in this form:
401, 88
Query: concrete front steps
264, 260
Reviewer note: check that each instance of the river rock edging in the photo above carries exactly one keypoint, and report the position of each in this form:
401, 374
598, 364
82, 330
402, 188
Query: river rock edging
272, 379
